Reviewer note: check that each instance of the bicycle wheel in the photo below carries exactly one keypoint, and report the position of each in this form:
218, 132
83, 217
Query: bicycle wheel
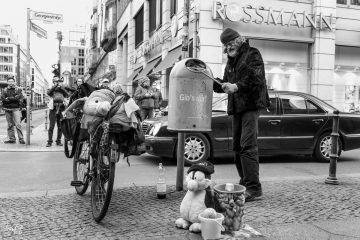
102, 182
81, 166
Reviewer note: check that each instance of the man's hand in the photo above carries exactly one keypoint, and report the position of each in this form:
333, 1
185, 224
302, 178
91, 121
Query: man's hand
229, 87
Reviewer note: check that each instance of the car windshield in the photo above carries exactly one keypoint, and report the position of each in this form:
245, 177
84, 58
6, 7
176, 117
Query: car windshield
220, 104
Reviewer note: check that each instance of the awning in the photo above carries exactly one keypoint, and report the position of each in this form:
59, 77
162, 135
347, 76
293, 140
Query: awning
150, 66
134, 74
169, 60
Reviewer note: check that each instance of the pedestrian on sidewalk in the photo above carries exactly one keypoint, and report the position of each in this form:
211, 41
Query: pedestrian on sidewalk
56, 106
144, 97
244, 82
157, 98
11, 103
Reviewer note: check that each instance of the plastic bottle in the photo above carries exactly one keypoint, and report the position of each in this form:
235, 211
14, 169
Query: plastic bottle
161, 184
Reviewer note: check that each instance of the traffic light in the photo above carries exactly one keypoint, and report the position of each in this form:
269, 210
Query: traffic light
56, 70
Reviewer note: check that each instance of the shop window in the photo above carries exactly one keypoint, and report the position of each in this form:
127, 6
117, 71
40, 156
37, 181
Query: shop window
344, 2
139, 27
173, 7
355, 2
81, 52
81, 62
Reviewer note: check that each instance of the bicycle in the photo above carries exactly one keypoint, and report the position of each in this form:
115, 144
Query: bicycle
94, 162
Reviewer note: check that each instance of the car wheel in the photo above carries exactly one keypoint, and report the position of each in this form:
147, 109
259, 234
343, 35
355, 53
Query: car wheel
323, 148
196, 148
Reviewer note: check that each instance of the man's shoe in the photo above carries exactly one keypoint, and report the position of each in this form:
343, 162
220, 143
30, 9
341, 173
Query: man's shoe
48, 144
59, 144
10, 141
21, 141
251, 196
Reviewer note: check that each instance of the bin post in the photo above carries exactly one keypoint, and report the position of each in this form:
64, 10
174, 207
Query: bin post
46, 119
332, 179
181, 136
180, 162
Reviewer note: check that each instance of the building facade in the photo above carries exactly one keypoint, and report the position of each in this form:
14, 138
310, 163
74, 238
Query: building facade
13, 63
72, 63
309, 46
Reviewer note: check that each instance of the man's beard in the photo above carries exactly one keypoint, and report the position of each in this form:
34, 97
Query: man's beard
232, 52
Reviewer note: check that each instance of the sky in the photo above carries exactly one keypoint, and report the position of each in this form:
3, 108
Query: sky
76, 13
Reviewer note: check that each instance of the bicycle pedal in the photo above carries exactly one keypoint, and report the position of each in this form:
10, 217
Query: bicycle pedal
76, 183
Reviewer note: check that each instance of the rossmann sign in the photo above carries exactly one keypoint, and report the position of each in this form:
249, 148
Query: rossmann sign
248, 13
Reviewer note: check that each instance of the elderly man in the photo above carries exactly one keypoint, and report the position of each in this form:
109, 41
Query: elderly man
11, 101
244, 82
144, 96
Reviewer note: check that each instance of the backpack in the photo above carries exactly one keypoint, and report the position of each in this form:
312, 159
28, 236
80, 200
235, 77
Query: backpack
58, 97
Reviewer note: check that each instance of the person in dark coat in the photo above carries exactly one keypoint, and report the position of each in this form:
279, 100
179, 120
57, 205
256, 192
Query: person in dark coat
244, 82
11, 103
56, 106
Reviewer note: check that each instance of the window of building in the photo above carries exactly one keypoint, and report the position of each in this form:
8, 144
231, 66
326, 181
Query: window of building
81, 71
155, 15
73, 62
6, 68
152, 16
7, 59
3, 77
139, 27
81, 62
4, 32
2, 40
341, 2
81, 52
173, 7
355, 2
6, 50
73, 71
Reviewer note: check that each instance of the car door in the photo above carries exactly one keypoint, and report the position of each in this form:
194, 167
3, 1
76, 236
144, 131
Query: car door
302, 120
269, 127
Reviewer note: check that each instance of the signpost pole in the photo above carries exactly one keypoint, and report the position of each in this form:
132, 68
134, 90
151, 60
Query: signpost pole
28, 84
181, 135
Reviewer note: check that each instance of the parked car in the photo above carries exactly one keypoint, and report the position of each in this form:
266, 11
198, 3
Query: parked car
295, 123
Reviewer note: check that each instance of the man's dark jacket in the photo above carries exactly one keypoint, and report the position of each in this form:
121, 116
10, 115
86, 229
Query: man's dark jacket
11, 98
247, 71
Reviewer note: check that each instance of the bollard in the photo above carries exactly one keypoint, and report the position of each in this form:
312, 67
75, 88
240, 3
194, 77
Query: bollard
46, 120
332, 179
31, 126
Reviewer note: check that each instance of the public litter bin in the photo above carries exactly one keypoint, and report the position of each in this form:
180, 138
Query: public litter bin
190, 96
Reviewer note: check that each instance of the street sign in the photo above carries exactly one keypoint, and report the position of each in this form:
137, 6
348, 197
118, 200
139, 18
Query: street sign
47, 17
39, 30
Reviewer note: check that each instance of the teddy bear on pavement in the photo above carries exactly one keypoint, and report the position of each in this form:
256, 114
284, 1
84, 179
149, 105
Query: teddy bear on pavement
198, 196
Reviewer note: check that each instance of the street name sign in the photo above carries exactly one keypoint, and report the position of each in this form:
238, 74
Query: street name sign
39, 30
47, 17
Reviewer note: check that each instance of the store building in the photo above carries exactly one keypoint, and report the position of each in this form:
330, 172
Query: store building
13, 63
72, 63
307, 45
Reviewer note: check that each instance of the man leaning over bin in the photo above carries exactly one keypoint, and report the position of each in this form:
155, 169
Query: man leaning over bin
11, 103
244, 82
144, 97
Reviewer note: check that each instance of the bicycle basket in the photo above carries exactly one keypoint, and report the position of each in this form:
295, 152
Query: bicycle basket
68, 127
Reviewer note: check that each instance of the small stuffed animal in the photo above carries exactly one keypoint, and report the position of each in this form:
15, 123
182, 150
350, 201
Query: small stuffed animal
198, 197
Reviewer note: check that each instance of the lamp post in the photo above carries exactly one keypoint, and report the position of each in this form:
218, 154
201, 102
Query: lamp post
59, 37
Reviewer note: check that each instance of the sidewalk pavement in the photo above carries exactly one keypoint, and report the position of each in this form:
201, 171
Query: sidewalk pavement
294, 209
38, 140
